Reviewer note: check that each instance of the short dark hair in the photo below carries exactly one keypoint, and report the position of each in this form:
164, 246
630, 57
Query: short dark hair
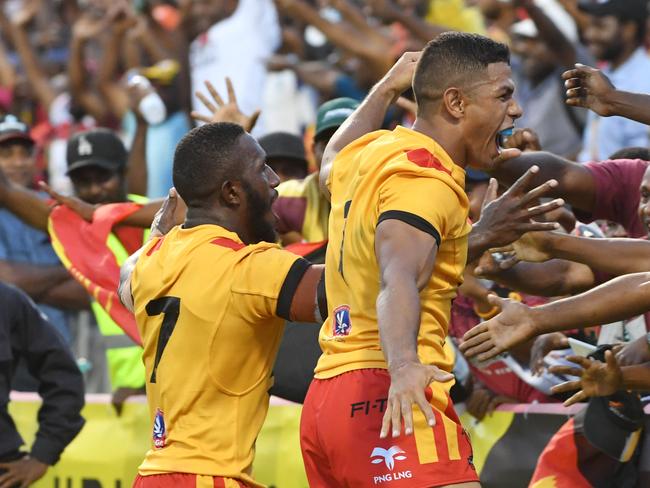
453, 58
204, 159
642, 153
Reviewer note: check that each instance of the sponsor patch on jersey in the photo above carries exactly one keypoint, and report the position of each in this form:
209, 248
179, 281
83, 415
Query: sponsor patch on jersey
159, 430
342, 324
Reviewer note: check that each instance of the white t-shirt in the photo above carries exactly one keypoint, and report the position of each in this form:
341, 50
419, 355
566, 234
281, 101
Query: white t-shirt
237, 47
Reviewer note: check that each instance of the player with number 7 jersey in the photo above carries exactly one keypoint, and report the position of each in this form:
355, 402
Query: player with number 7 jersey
211, 298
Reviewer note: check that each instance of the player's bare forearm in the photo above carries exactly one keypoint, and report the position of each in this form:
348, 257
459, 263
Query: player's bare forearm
618, 299
370, 114
398, 317
632, 255
306, 302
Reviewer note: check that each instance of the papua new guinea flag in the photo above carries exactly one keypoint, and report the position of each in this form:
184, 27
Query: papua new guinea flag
93, 252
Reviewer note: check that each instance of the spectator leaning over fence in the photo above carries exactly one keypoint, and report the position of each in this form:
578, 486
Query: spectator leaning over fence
26, 334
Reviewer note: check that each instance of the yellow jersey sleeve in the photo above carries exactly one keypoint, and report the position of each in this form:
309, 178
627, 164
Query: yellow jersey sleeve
266, 282
427, 203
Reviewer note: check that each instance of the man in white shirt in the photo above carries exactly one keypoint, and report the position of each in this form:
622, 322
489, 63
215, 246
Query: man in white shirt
615, 34
233, 38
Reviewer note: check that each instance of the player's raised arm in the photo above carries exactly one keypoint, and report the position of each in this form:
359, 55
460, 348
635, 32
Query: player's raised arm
163, 222
403, 276
370, 114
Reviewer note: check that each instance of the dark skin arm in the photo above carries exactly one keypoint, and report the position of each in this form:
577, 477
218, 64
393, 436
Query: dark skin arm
7, 72
27, 205
35, 280
551, 279
549, 33
403, 275
419, 28
30, 62
68, 295
618, 299
588, 87
632, 255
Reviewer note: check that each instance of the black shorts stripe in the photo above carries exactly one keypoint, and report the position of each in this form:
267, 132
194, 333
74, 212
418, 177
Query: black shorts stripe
413, 220
289, 287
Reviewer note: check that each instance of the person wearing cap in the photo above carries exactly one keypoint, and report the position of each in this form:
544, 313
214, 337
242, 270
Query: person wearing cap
285, 154
27, 259
546, 44
97, 161
302, 210
615, 35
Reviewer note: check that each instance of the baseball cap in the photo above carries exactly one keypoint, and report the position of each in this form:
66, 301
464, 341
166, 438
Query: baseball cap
333, 113
556, 13
623, 9
96, 147
11, 128
283, 145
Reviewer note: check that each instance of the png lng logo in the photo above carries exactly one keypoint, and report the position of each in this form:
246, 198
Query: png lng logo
388, 456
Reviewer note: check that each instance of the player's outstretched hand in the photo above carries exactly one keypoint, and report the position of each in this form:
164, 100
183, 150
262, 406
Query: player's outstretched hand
221, 111
83, 209
514, 325
596, 378
164, 220
589, 88
407, 385
506, 218
635, 352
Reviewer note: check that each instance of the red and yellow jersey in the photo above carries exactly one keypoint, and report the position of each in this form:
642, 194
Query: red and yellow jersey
209, 310
404, 175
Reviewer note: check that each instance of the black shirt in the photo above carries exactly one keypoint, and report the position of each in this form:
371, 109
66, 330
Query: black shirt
25, 333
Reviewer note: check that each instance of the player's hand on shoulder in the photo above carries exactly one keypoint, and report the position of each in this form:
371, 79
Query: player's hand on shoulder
408, 383
22, 473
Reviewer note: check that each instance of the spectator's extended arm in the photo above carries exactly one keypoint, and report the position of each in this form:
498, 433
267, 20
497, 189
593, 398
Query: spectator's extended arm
69, 295
83, 29
420, 28
35, 280
7, 71
590, 88
26, 204
556, 41
35, 74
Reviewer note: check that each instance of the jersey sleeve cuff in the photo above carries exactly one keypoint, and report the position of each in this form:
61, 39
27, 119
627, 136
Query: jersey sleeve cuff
413, 220
289, 287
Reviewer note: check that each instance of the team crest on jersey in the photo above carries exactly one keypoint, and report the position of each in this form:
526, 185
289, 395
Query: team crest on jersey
342, 324
159, 430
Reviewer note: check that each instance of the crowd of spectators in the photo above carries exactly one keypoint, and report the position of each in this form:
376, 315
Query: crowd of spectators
95, 95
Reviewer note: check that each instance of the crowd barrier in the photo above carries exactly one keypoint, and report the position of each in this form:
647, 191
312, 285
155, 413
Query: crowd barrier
109, 449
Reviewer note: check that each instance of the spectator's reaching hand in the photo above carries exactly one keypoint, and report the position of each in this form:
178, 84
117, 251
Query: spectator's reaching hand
531, 247
505, 219
596, 378
87, 27
635, 352
26, 13
83, 209
542, 346
524, 140
483, 402
164, 220
22, 473
588, 87
222, 111
514, 325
